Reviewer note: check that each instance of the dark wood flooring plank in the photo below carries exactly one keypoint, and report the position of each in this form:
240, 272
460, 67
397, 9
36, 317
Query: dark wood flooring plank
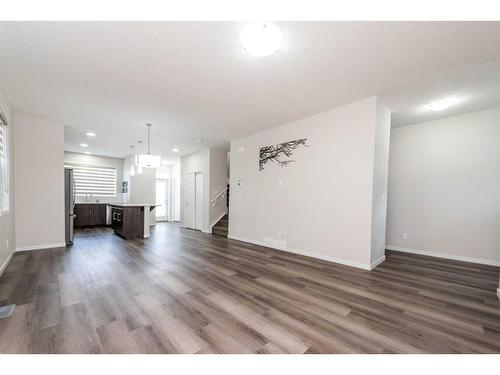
183, 291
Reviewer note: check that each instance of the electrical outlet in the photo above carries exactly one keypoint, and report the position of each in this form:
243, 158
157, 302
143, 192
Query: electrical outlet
281, 234
404, 236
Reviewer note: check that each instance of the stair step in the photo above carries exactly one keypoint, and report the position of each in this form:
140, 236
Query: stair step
221, 228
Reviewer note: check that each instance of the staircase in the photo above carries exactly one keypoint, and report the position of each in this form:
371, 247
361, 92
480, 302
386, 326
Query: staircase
220, 229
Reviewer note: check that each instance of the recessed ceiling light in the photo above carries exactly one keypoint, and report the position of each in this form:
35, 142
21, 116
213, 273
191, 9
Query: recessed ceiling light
175, 150
90, 134
442, 104
261, 38
200, 140
84, 145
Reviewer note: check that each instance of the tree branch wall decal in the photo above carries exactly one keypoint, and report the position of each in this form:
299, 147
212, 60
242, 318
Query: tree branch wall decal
277, 153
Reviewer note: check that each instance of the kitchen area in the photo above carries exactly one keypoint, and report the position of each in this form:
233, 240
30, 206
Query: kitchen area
108, 192
127, 220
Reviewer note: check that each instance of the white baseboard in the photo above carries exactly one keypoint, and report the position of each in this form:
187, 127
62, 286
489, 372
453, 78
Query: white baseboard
308, 254
6, 263
498, 293
377, 262
488, 262
40, 247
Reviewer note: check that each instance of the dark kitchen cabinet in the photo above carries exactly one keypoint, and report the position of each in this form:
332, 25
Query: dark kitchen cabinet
128, 222
117, 220
88, 215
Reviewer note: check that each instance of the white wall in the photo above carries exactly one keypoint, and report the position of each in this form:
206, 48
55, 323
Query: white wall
99, 161
7, 239
444, 187
39, 182
141, 187
322, 203
380, 177
218, 182
176, 191
197, 162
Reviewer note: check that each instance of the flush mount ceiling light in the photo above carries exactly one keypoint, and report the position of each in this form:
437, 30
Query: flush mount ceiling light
442, 104
261, 38
175, 150
84, 145
90, 134
87, 153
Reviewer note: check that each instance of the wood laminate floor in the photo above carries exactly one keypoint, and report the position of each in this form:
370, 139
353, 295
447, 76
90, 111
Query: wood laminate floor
183, 291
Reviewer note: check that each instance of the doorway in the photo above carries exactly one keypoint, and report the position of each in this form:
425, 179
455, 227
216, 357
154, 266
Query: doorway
162, 210
194, 200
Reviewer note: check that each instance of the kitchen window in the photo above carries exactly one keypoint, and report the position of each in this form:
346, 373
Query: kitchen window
94, 180
4, 165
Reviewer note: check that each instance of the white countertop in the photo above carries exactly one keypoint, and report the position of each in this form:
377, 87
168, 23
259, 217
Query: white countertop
131, 204
93, 203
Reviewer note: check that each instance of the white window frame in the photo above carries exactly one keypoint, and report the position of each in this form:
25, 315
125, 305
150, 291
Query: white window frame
4, 166
102, 167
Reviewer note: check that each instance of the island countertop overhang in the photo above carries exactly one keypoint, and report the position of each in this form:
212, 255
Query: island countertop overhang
132, 205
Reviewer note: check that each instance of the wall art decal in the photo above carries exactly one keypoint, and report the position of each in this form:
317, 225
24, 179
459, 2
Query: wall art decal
280, 153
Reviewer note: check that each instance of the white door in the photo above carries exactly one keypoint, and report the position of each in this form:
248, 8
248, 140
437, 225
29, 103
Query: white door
194, 200
162, 210
199, 201
190, 200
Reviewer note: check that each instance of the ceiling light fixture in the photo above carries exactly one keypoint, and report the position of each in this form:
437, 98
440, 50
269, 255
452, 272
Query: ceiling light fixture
87, 153
90, 134
261, 38
442, 104
175, 150
147, 160
84, 145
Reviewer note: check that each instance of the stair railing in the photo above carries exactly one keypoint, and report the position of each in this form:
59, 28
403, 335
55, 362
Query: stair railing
215, 200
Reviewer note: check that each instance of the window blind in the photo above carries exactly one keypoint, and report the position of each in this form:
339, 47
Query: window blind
98, 181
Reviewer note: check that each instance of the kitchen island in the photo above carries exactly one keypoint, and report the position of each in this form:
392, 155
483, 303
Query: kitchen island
131, 220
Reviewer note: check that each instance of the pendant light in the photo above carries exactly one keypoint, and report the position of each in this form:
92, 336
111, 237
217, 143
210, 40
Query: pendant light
147, 160
132, 171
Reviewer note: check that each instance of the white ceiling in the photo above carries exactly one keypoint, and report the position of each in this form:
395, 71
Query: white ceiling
192, 80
